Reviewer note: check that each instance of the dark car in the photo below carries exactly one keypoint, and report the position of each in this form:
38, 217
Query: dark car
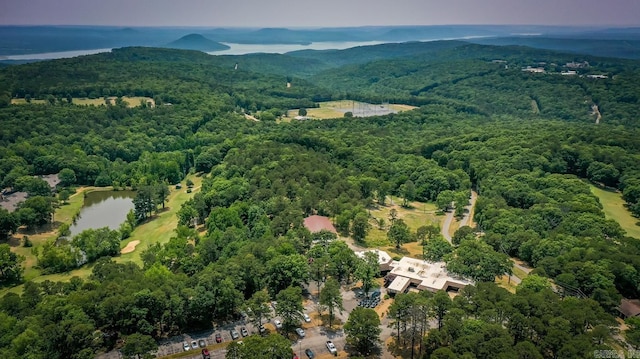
310, 353
202, 343
218, 338
205, 354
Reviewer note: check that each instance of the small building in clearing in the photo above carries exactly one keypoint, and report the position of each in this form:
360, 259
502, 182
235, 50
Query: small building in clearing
317, 223
418, 274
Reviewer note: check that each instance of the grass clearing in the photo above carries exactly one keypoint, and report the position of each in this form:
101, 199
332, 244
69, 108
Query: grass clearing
160, 230
337, 109
613, 208
417, 215
132, 101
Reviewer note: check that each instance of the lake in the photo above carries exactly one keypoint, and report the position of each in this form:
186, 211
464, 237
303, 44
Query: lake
235, 49
103, 209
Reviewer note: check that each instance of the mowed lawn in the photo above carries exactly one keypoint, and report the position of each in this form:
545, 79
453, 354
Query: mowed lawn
133, 101
161, 227
419, 214
613, 207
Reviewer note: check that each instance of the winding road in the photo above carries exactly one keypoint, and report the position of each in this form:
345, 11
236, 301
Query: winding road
446, 225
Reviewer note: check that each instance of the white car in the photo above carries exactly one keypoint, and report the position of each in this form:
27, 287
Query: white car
278, 324
300, 332
186, 346
332, 348
306, 317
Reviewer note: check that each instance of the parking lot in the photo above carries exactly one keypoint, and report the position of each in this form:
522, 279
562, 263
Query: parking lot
315, 338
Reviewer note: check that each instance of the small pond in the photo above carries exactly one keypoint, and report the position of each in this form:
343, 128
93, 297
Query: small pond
103, 209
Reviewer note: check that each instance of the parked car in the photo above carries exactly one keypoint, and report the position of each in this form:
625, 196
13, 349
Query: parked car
244, 331
234, 334
300, 332
310, 353
202, 343
306, 317
218, 338
194, 345
262, 329
278, 324
186, 346
332, 348
205, 354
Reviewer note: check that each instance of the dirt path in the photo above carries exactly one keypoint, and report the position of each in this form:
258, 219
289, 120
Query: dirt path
130, 247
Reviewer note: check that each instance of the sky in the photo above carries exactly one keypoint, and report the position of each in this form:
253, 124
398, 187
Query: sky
319, 13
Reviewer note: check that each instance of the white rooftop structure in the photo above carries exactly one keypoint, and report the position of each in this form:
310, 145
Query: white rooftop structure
423, 275
384, 259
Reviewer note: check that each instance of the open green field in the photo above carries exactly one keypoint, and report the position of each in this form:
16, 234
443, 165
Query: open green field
337, 109
159, 229
133, 101
419, 214
613, 207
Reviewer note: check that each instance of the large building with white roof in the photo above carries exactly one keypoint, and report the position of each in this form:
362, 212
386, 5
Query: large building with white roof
408, 273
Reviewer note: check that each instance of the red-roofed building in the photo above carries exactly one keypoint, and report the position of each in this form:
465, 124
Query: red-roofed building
318, 223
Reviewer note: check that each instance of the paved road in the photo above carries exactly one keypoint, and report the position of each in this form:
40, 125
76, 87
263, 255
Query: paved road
445, 226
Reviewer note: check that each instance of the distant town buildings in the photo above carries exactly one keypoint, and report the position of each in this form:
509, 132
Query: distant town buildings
598, 76
569, 73
577, 65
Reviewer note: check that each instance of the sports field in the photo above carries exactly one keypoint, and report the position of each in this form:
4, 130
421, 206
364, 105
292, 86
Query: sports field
337, 109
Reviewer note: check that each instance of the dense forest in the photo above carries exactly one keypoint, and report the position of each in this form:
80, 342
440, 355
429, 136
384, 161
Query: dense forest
528, 143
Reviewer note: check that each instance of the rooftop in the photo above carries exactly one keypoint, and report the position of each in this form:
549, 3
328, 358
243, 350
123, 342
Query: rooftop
383, 257
426, 275
630, 307
317, 223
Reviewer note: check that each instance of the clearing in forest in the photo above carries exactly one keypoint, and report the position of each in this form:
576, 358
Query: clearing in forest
614, 208
337, 109
417, 215
160, 229
133, 101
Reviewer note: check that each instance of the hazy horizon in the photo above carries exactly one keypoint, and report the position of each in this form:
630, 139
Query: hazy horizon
331, 13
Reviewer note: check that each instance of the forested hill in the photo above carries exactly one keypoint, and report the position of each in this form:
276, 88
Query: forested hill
526, 141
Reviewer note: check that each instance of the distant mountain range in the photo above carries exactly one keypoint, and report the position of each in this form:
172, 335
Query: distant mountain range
20, 40
196, 42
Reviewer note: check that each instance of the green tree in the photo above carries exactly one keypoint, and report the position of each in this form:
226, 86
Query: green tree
144, 203
286, 270
161, 193
273, 346
302, 112
138, 344
399, 233
289, 306
477, 260
331, 297
360, 226
408, 192
258, 307
363, 330
445, 200
436, 249
535, 283
67, 177
368, 270
440, 304
343, 262
464, 233
8, 224
10, 265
